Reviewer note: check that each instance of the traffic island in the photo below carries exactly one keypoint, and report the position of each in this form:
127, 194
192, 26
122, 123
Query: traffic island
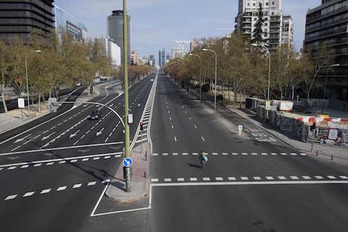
140, 182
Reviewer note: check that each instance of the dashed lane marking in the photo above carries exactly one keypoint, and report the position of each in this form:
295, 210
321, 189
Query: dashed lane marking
11, 197
45, 191
28, 194
62, 188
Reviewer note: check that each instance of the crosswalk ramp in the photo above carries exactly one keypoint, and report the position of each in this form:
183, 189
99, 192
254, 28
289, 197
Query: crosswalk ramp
207, 179
177, 154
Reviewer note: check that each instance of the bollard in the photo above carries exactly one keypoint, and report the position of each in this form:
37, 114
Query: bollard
316, 153
145, 155
331, 157
144, 174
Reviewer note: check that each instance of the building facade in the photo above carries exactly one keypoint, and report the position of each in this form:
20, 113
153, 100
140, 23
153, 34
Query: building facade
115, 32
162, 57
152, 60
112, 51
273, 21
327, 28
64, 20
18, 18
288, 31
134, 58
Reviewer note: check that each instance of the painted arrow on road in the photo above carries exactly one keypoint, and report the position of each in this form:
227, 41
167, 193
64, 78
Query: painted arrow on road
73, 135
20, 140
48, 136
100, 132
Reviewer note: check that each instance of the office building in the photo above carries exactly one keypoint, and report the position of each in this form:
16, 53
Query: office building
177, 53
20, 18
152, 60
115, 32
162, 57
65, 21
326, 26
273, 21
112, 50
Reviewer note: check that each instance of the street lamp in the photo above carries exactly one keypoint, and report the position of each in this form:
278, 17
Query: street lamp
209, 50
327, 73
38, 52
26, 76
200, 76
269, 69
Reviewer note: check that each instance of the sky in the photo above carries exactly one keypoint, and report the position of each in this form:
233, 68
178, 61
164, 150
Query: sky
156, 24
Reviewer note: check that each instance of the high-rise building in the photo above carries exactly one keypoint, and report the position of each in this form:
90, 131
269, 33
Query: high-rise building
112, 51
273, 21
162, 57
67, 22
177, 53
115, 31
326, 26
288, 31
20, 18
152, 60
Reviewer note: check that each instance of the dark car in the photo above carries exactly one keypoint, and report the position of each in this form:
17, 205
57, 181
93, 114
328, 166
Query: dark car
96, 114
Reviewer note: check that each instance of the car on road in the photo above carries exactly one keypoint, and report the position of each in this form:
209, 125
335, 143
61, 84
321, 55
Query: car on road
151, 79
96, 114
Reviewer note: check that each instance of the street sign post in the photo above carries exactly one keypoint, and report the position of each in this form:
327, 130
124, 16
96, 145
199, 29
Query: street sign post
127, 162
268, 105
240, 129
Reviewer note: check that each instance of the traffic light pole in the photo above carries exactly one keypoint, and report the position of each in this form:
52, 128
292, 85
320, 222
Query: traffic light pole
126, 104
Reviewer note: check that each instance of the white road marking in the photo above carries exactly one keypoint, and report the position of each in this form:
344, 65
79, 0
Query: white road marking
303, 154
269, 178
203, 138
319, 177
234, 153
344, 177
11, 197
215, 153
175, 139
37, 165
264, 154
206, 178
195, 154
77, 186
25, 166
254, 154
244, 153
172, 127
195, 126
293, 154
193, 179
306, 177
107, 157
62, 162
28, 194
45, 191
49, 164
15, 148
73, 161
11, 168
185, 153
244, 178
61, 188
219, 178
167, 179
281, 177
96, 158
181, 179
257, 178
274, 154
331, 177
190, 118
283, 154
224, 153
294, 177
155, 154
165, 154
84, 160
175, 154
91, 183
170, 118
154, 180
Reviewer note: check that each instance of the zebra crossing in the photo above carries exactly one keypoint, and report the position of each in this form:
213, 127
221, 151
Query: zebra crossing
176, 154
260, 136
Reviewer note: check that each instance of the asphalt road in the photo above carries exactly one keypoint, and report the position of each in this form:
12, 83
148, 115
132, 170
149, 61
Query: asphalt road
248, 183
53, 171
252, 182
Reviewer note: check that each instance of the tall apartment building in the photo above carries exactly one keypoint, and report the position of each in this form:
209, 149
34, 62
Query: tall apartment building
66, 21
288, 31
327, 25
162, 57
134, 58
115, 31
112, 51
273, 16
152, 60
18, 18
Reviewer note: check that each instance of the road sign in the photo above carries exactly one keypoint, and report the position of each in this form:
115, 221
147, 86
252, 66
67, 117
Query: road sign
21, 104
127, 162
240, 129
268, 105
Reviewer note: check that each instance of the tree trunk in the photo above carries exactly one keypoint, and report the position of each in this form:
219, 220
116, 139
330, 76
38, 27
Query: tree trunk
240, 99
39, 102
281, 94
292, 92
3, 92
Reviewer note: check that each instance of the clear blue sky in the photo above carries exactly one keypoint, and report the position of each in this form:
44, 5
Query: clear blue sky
156, 23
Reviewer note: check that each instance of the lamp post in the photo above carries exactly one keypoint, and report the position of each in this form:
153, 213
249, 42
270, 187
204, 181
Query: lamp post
209, 50
26, 76
269, 69
126, 104
39, 51
327, 73
200, 76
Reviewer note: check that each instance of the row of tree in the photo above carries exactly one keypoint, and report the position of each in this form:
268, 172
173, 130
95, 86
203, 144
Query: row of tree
244, 68
52, 62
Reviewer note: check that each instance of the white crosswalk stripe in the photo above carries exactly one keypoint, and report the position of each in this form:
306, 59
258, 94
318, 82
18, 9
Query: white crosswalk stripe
257, 178
206, 178
181, 179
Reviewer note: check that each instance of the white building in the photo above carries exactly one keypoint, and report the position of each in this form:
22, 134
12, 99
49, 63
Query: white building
111, 50
177, 53
288, 31
272, 14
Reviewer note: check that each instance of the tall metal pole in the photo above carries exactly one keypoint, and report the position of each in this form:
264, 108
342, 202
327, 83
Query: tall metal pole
209, 50
126, 104
269, 73
200, 77
26, 75
327, 73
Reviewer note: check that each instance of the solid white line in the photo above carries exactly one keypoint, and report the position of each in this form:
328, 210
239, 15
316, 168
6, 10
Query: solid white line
15, 148
61, 188
249, 183
28, 194
100, 198
45, 191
